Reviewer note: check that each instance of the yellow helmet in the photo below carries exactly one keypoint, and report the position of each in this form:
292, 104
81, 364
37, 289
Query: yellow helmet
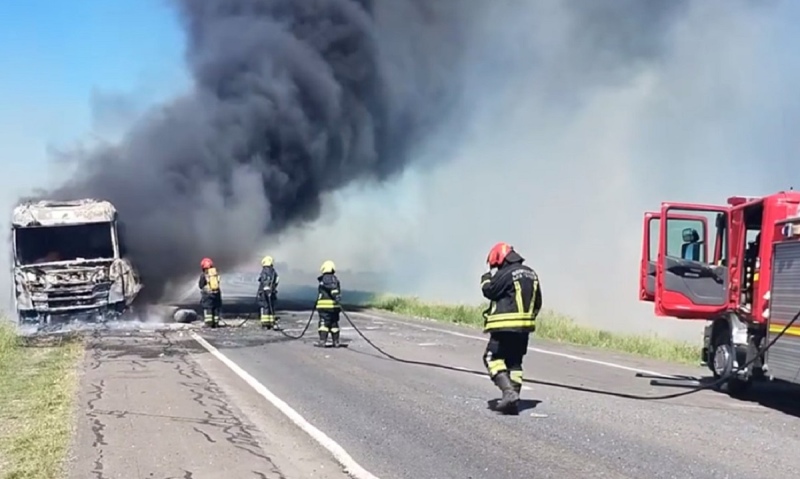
266, 261
327, 267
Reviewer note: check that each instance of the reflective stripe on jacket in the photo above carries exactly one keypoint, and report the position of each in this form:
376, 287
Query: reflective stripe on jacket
328, 292
515, 299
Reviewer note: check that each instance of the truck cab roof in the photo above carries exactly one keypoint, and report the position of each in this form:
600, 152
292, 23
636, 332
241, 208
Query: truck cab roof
61, 213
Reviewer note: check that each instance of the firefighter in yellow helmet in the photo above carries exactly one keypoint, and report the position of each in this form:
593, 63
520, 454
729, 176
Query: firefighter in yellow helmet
515, 300
267, 292
328, 308
210, 293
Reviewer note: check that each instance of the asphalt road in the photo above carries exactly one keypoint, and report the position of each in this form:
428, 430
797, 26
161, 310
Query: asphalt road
407, 421
156, 405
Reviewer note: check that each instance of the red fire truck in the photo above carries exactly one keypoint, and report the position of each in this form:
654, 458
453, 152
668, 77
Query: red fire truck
742, 277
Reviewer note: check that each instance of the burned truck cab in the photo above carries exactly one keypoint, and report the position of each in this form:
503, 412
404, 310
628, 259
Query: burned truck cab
68, 263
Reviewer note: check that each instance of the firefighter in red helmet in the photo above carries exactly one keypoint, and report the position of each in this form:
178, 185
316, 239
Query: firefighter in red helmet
515, 300
210, 293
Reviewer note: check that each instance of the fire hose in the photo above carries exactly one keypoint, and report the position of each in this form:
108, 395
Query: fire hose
690, 390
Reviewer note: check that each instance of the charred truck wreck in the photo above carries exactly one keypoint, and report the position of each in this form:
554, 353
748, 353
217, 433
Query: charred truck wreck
69, 263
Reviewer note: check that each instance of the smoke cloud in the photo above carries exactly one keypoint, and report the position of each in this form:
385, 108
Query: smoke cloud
552, 125
290, 99
577, 117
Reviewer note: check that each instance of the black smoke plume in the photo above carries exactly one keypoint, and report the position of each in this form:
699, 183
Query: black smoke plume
290, 99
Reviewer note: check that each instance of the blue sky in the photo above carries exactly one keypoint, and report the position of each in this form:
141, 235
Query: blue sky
54, 54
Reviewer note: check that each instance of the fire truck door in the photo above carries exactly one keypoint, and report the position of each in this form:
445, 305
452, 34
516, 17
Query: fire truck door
688, 283
650, 242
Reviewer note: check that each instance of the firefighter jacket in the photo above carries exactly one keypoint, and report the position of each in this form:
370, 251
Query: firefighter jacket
209, 282
329, 293
268, 280
515, 297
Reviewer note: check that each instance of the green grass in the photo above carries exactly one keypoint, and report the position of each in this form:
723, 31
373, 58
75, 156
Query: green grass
549, 325
37, 390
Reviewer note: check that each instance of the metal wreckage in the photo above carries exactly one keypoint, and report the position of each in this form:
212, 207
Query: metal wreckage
69, 263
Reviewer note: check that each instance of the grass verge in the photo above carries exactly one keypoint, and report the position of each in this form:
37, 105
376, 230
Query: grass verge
549, 325
37, 389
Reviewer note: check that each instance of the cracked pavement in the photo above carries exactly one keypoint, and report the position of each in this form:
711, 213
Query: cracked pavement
155, 405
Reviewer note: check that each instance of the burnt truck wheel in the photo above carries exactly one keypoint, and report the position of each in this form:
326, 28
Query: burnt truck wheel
185, 316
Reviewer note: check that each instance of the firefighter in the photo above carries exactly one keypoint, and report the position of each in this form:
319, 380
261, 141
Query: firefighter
267, 292
328, 308
515, 300
210, 293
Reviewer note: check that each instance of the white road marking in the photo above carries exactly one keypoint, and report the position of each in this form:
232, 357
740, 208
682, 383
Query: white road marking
350, 465
537, 350
428, 344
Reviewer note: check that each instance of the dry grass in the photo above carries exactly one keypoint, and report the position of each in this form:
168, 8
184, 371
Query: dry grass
37, 390
551, 326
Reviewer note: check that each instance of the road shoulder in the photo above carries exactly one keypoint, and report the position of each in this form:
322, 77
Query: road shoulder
156, 405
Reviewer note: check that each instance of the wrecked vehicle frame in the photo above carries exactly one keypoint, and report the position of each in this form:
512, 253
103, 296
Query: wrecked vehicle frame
69, 262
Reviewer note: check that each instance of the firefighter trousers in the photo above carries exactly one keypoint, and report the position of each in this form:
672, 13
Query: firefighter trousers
504, 354
212, 308
266, 302
328, 323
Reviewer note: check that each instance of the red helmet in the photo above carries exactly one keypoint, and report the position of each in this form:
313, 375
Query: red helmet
206, 263
498, 254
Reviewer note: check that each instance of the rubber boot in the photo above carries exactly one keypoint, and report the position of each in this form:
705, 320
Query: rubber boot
208, 319
335, 338
265, 323
323, 338
508, 403
518, 388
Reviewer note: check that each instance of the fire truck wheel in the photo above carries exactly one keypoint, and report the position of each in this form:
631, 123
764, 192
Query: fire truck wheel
721, 358
722, 366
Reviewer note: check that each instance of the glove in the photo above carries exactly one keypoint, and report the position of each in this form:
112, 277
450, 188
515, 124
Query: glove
486, 276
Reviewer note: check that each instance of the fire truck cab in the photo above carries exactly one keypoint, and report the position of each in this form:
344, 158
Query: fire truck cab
714, 263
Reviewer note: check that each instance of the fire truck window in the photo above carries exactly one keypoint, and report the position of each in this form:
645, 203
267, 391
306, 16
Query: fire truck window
686, 239
653, 227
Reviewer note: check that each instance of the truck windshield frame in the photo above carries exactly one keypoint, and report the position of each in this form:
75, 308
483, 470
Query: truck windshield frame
71, 242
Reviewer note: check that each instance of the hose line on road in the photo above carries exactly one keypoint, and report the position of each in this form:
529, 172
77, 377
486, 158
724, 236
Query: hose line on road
308, 323
690, 389
277, 327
